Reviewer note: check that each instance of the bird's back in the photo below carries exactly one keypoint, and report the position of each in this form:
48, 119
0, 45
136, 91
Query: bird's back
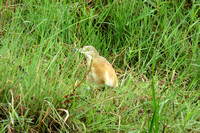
104, 72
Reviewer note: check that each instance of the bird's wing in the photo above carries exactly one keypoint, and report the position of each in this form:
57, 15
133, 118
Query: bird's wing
101, 66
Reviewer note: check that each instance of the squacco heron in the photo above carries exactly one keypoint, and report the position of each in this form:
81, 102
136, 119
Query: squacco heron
100, 70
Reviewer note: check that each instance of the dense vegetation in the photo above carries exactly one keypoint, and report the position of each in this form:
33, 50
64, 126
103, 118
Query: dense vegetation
154, 47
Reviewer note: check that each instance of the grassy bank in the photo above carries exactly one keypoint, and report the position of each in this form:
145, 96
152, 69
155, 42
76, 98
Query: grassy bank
153, 46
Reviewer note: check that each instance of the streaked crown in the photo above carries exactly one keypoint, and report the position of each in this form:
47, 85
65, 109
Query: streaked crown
89, 51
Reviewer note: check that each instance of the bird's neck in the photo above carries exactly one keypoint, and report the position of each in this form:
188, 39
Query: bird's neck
89, 62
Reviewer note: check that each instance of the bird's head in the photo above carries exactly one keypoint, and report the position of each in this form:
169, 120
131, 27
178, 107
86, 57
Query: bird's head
89, 51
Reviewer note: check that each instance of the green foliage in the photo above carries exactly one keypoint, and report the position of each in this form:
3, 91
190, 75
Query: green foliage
153, 45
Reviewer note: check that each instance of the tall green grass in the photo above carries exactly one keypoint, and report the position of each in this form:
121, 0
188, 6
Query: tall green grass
154, 48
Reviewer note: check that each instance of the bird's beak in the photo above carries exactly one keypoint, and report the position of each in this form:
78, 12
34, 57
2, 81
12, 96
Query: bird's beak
74, 50
78, 50
81, 50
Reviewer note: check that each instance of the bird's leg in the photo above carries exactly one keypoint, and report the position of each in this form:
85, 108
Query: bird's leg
101, 87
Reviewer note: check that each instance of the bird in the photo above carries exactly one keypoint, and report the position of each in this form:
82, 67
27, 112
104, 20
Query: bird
100, 71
